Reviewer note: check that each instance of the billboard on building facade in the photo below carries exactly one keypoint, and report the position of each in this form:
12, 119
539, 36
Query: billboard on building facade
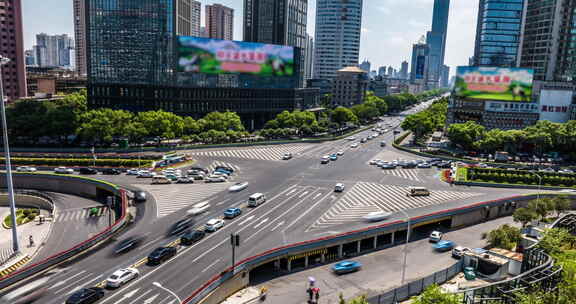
555, 105
490, 83
215, 56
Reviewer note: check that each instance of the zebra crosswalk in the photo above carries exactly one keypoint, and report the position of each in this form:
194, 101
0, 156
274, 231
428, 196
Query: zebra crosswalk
173, 197
272, 153
223, 164
365, 197
409, 174
72, 215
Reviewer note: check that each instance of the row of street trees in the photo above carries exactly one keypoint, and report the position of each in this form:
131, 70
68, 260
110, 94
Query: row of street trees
427, 121
544, 136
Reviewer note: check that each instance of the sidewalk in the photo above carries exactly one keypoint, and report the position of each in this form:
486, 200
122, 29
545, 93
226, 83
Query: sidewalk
39, 233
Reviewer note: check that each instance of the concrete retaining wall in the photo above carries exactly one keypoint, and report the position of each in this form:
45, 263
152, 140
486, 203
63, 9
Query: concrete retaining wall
227, 288
27, 201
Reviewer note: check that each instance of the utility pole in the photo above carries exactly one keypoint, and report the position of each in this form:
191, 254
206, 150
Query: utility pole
9, 184
235, 242
110, 201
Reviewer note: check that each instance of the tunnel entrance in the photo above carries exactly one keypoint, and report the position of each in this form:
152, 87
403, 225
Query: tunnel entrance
423, 230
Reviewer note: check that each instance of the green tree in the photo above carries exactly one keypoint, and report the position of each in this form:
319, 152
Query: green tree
101, 125
342, 115
560, 204
162, 124
505, 237
524, 216
466, 134
541, 207
419, 124
434, 295
555, 240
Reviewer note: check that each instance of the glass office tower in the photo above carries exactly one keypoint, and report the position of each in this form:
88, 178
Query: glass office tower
130, 41
498, 32
436, 40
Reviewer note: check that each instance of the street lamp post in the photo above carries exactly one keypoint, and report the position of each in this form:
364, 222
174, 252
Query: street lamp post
539, 186
405, 246
157, 284
9, 184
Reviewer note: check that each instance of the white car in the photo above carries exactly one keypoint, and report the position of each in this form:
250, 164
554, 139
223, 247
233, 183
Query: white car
377, 216
459, 251
132, 171
26, 169
215, 179
287, 156
238, 187
374, 161
351, 138
63, 170
146, 174
340, 153
214, 224
435, 236
354, 145
339, 187
219, 173
121, 277
185, 180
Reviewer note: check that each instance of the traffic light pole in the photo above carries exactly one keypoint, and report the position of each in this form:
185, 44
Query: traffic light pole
235, 242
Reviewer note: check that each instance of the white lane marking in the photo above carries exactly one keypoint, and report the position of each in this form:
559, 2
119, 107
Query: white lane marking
75, 281
152, 242
303, 194
277, 225
306, 212
317, 195
209, 266
138, 298
64, 281
222, 202
131, 293
246, 220
290, 192
150, 300
260, 224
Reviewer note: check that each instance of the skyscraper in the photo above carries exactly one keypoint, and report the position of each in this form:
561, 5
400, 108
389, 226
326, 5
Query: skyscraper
80, 36
548, 40
404, 70
12, 47
419, 64
338, 24
278, 22
445, 76
188, 17
498, 33
436, 40
365, 65
382, 71
53, 50
390, 72
309, 58
219, 22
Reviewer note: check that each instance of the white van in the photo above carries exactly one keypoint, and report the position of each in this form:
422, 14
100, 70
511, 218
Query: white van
161, 179
199, 208
256, 199
418, 191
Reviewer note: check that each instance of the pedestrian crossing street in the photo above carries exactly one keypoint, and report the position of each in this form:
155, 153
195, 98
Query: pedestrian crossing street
173, 197
272, 153
73, 215
409, 174
365, 197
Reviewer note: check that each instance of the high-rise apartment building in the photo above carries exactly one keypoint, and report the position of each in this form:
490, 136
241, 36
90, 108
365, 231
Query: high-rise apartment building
404, 70
498, 33
548, 38
278, 22
54, 50
12, 47
349, 87
309, 58
219, 22
338, 25
80, 36
382, 71
436, 40
188, 17
365, 65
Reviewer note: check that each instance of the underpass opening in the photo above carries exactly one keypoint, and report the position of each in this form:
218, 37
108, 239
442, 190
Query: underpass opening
367, 244
400, 236
384, 240
423, 230
350, 249
264, 272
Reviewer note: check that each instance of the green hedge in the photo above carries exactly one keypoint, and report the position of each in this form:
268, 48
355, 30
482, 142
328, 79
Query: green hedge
400, 138
77, 162
520, 177
156, 156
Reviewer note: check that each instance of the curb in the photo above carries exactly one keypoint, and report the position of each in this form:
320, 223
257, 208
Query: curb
15, 266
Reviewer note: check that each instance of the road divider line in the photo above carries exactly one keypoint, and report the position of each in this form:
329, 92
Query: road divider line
209, 266
306, 212
261, 223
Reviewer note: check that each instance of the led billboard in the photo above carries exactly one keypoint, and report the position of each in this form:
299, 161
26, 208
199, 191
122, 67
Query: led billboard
215, 56
490, 83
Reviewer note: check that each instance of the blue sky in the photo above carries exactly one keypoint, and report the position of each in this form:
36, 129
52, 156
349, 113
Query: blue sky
389, 27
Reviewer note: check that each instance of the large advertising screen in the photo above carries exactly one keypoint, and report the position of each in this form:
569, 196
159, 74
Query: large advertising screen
490, 83
215, 56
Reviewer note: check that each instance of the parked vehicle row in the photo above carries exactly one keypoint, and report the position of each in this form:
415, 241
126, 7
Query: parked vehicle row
410, 164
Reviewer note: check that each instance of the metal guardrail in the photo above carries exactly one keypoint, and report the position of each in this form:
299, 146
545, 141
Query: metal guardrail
77, 249
271, 254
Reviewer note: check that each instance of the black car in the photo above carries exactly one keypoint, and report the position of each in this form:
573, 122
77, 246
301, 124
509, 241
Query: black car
180, 226
199, 169
191, 237
139, 196
111, 171
88, 171
409, 165
444, 165
161, 254
128, 244
86, 296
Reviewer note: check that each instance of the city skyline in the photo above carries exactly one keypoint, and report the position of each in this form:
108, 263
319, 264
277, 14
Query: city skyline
391, 25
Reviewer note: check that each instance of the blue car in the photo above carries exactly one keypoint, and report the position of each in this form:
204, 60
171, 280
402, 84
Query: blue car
442, 246
231, 213
346, 266
333, 156
223, 171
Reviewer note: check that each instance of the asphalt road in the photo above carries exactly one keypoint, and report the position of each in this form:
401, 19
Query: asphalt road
301, 205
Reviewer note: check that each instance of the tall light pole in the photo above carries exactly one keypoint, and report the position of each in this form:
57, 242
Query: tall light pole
539, 186
405, 246
157, 284
15, 246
